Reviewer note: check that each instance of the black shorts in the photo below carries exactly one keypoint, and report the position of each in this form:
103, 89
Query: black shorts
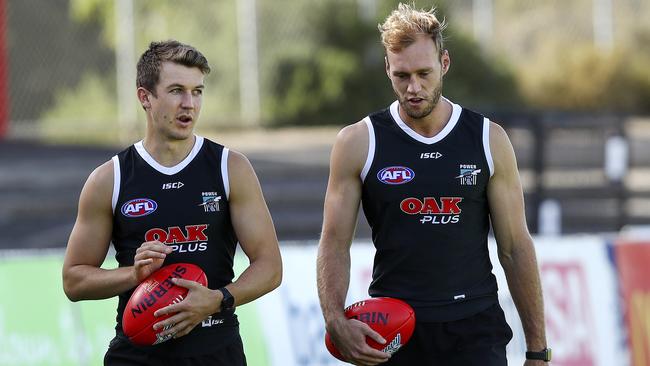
479, 340
123, 353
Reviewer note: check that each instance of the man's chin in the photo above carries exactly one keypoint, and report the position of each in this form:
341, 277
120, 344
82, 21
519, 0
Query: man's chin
417, 113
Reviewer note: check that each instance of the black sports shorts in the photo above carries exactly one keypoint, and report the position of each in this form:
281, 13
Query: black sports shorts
479, 340
122, 353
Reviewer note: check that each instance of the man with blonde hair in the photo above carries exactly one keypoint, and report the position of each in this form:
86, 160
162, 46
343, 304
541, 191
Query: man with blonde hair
430, 176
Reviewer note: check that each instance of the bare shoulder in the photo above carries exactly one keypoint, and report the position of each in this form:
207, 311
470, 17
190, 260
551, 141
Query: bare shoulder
503, 154
101, 179
238, 163
242, 178
353, 134
351, 146
498, 136
500, 144
96, 195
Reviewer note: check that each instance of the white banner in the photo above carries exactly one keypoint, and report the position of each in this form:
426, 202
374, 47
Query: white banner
584, 323
292, 320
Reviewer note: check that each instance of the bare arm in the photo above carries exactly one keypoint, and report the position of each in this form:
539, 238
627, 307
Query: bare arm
254, 228
83, 279
515, 245
333, 263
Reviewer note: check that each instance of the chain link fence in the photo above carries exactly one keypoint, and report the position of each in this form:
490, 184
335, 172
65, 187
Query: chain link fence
71, 62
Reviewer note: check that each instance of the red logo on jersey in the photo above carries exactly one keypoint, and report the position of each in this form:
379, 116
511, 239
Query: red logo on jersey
431, 206
175, 234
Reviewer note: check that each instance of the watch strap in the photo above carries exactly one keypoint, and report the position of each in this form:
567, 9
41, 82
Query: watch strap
228, 301
543, 355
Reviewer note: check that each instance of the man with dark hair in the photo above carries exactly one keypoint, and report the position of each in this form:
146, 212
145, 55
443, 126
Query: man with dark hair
430, 176
192, 186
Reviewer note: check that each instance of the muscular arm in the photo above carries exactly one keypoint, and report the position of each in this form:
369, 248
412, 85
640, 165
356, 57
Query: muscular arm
83, 279
333, 263
515, 245
339, 220
254, 228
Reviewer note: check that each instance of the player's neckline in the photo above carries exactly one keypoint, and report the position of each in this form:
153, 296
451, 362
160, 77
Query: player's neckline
144, 154
453, 120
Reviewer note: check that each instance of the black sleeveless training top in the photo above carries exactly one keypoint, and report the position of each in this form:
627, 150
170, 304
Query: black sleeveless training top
426, 202
185, 207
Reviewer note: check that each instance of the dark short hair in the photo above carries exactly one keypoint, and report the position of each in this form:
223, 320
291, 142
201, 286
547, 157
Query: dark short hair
149, 65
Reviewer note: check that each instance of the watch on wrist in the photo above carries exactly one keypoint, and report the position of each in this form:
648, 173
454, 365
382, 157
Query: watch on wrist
228, 302
543, 355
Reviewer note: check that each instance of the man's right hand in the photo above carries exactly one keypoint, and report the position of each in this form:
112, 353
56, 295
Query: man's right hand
349, 336
149, 257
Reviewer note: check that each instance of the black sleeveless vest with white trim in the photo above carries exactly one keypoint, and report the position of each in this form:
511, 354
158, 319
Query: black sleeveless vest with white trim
426, 202
187, 208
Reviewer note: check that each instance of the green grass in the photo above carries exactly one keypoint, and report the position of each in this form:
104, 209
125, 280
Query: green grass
40, 326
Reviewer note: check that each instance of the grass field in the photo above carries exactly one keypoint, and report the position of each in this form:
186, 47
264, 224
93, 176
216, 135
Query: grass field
40, 326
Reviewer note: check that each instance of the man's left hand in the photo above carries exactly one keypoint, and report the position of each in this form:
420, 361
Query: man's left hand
199, 303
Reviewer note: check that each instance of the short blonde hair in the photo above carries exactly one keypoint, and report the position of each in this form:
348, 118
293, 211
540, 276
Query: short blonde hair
402, 26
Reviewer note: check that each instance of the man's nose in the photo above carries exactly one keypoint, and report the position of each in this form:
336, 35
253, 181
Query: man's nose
414, 85
187, 101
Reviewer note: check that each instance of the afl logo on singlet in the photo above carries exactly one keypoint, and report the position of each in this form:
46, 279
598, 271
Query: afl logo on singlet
396, 175
139, 207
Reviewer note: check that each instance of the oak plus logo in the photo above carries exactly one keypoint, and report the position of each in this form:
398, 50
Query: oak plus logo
394, 175
432, 210
139, 207
191, 238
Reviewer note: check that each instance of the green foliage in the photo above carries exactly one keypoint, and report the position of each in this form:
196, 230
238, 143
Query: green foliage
209, 25
476, 79
588, 79
87, 111
340, 77
322, 62
343, 79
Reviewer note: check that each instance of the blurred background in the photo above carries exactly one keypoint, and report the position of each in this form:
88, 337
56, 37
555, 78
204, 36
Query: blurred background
568, 80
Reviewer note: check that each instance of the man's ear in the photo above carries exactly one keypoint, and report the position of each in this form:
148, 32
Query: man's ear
143, 97
387, 66
445, 60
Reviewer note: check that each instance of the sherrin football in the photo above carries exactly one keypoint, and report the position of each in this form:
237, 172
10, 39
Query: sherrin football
393, 319
156, 292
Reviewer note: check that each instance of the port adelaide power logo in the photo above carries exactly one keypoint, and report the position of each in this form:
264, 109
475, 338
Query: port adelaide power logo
396, 175
210, 201
468, 174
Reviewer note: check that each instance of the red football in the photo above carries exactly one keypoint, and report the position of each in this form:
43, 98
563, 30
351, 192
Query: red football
156, 292
393, 319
